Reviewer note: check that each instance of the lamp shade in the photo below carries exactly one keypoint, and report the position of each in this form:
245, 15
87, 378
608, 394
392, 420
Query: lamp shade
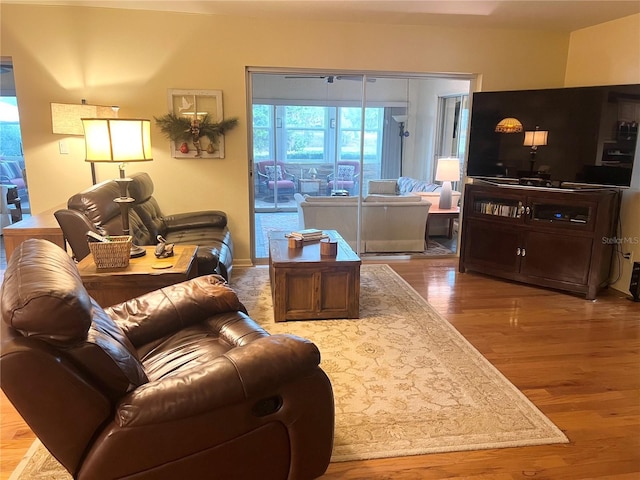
117, 140
400, 118
535, 138
509, 125
448, 169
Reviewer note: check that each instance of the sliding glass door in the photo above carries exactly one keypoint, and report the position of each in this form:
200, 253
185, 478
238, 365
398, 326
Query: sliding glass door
317, 134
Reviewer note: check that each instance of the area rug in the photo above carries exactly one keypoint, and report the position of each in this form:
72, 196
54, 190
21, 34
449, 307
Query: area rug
405, 381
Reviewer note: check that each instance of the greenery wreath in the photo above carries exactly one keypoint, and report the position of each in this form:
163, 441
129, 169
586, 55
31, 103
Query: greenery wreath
181, 129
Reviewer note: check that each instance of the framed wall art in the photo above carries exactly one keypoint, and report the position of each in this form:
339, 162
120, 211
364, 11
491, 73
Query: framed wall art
195, 123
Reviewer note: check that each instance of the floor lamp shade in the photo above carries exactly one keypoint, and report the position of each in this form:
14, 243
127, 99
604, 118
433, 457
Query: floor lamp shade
447, 171
117, 140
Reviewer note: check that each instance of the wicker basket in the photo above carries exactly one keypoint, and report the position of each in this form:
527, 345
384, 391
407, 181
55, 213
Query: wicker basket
113, 254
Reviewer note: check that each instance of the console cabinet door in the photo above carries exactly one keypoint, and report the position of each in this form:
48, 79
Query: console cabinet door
491, 246
557, 257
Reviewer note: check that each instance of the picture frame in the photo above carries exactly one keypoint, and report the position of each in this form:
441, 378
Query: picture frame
197, 104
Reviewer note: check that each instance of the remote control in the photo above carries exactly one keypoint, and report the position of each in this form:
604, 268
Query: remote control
94, 237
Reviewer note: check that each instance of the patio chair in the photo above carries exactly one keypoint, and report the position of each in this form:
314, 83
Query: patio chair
272, 174
345, 177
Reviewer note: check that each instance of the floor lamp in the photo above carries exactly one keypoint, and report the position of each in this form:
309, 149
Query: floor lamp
401, 119
447, 171
121, 141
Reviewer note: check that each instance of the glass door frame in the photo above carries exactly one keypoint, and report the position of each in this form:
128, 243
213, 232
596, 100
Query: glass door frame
474, 82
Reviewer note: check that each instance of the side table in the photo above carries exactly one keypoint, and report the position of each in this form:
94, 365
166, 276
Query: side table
109, 286
434, 212
309, 186
43, 225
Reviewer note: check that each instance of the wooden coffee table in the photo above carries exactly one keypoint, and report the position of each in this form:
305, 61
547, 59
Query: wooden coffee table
308, 286
109, 286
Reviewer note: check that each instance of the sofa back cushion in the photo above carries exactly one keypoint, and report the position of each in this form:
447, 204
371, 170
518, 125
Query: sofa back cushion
331, 200
97, 202
392, 199
383, 187
408, 185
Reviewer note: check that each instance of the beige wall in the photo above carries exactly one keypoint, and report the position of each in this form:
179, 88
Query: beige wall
609, 54
130, 58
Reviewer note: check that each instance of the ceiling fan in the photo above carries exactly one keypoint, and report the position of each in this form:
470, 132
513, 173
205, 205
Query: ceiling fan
333, 78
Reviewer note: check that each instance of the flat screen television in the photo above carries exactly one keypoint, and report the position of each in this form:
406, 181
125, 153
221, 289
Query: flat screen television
591, 136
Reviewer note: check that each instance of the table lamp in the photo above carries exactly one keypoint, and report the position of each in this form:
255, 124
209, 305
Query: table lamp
534, 139
119, 140
447, 171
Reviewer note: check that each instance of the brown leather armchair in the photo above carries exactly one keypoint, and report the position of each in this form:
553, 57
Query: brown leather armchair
99, 213
178, 383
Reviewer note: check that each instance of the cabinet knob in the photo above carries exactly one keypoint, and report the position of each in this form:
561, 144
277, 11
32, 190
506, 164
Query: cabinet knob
527, 210
518, 251
523, 252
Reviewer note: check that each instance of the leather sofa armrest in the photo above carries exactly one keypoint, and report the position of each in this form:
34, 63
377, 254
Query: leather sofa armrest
255, 370
169, 309
203, 219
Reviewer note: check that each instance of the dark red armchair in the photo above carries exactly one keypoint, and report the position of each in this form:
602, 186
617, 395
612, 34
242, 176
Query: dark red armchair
345, 177
272, 173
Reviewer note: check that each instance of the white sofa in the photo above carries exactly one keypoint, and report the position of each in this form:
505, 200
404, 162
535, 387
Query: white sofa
411, 186
390, 223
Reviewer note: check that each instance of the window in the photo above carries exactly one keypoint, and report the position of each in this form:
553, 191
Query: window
305, 130
10, 137
263, 132
308, 134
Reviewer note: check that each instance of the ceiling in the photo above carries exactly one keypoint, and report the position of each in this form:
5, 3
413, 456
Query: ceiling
561, 16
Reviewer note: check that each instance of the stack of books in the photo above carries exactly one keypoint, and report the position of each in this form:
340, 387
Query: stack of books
308, 234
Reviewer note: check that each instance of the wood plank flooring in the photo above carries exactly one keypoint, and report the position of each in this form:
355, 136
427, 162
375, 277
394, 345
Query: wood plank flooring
577, 360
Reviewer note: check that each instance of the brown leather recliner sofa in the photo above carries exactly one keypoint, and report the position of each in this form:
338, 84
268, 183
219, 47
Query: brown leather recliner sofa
178, 383
94, 209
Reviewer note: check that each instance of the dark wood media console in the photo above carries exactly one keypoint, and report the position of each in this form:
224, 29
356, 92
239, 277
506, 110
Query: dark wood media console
556, 238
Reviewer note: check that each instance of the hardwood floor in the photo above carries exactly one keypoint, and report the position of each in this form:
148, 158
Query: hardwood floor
577, 360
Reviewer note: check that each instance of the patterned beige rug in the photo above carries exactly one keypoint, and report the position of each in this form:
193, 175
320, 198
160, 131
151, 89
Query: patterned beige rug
405, 381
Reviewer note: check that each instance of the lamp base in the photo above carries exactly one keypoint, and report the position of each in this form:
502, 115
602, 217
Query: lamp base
137, 251
445, 196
